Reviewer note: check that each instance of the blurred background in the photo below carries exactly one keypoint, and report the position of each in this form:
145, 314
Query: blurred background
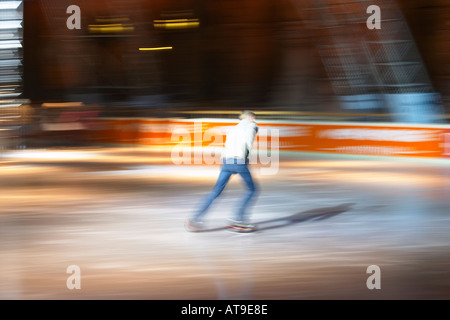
136, 70
141, 58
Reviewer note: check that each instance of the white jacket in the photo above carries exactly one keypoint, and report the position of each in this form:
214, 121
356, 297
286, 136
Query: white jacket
240, 139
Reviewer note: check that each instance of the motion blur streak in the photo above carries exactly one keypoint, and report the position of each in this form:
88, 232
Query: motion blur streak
156, 48
119, 216
91, 101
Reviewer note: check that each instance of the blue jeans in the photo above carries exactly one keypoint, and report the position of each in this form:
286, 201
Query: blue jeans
229, 168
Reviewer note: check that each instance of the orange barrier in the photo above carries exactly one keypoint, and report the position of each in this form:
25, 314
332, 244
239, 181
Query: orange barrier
400, 140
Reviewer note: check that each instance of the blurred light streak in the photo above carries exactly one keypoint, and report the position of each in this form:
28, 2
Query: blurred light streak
10, 44
53, 155
8, 5
10, 105
165, 172
176, 24
62, 104
110, 28
11, 24
384, 178
155, 49
349, 172
99, 155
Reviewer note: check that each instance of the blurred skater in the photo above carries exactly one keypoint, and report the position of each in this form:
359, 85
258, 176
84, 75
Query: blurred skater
235, 159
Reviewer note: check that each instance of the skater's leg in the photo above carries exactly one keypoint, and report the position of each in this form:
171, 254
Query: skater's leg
222, 181
248, 196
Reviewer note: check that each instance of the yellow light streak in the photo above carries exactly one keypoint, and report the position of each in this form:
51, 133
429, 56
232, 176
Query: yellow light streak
107, 28
176, 24
62, 104
155, 49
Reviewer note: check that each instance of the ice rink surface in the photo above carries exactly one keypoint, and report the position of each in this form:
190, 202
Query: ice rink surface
118, 215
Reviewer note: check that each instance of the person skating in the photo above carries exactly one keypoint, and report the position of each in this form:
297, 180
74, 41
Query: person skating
235, 160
